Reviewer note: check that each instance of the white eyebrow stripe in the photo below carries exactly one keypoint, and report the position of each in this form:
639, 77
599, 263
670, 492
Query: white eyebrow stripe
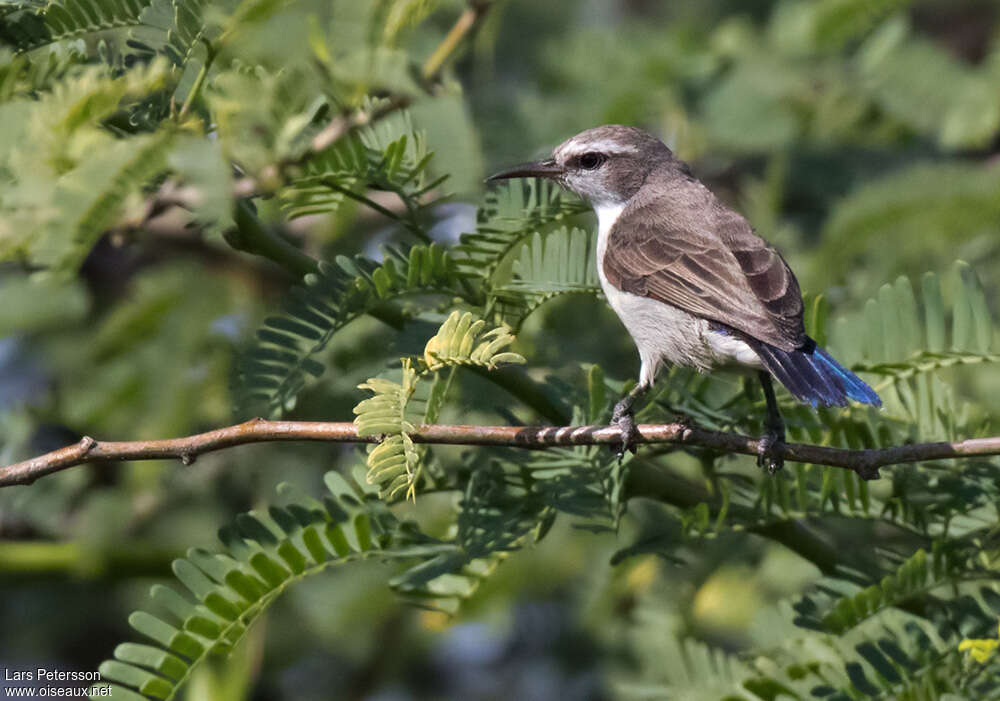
600, 146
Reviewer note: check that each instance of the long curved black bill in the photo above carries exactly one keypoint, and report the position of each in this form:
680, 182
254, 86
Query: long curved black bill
535, 169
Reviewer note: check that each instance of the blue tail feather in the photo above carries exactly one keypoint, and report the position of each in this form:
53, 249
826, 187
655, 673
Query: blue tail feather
813, 376
855, 387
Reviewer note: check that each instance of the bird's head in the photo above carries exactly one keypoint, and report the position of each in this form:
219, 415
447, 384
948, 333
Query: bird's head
605, 165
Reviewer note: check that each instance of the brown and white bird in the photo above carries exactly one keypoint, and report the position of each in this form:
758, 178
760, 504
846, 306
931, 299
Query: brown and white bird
688, 277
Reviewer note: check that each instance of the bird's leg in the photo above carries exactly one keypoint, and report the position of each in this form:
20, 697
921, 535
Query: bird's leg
624, 418
774, 429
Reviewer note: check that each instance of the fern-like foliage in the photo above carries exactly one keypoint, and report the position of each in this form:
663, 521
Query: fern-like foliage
38, 24
906, 341
225, 593
182, 30
510, 215
891, 628
971, 331
86, 215
222, 594
375, 159
66, 189
913, 578
276, 368
394, 464
563, 262
81, 175
190, 27
687, 669
898, 656
494, 519
461, 340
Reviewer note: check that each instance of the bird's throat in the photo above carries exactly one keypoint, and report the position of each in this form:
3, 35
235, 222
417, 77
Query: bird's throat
607, 215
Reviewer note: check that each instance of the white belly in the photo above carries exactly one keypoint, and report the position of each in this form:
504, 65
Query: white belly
664, 333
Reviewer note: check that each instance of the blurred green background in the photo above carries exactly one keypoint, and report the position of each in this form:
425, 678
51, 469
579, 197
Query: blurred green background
861, 137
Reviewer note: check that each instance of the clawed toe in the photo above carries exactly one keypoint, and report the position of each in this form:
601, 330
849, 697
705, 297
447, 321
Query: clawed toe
624, 420
766, 457
630, 435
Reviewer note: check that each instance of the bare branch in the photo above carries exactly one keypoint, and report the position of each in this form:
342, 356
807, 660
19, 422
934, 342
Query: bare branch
865, 463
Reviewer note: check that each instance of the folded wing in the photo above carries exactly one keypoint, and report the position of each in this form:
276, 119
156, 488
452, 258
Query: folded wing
712, 266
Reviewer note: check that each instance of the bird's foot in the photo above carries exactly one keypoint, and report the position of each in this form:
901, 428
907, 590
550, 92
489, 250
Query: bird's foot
623, 418
766, 458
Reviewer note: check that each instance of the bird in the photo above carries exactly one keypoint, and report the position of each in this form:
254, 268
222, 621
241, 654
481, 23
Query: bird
690, 279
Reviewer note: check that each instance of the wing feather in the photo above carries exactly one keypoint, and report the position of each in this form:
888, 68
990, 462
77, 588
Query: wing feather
688, 250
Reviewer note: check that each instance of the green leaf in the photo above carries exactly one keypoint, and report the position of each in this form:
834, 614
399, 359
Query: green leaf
152, 658
391, 157
199, 164
216, 626
899, 218
511, 214
275, 369
560, 263
70, 19
394, 463
462, 341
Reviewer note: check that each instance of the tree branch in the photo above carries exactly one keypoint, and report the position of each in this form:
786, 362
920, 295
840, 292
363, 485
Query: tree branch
865, 463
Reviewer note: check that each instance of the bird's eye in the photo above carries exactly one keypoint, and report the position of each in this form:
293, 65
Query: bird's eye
592, 161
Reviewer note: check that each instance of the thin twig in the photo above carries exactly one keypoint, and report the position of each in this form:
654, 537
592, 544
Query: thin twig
468, 21
408, 222
339, 126
199, 81
362, 199
865, 463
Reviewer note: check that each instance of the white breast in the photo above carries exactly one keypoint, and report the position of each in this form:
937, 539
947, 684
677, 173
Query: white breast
662, 332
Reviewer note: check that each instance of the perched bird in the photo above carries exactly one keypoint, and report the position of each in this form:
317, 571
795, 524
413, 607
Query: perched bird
689, 278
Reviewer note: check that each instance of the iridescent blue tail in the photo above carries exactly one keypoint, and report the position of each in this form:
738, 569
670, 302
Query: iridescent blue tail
812, 376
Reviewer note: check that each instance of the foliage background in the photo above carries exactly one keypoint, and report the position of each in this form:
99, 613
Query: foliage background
859, 137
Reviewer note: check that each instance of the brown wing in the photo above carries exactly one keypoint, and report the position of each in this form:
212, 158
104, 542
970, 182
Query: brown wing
691, 252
